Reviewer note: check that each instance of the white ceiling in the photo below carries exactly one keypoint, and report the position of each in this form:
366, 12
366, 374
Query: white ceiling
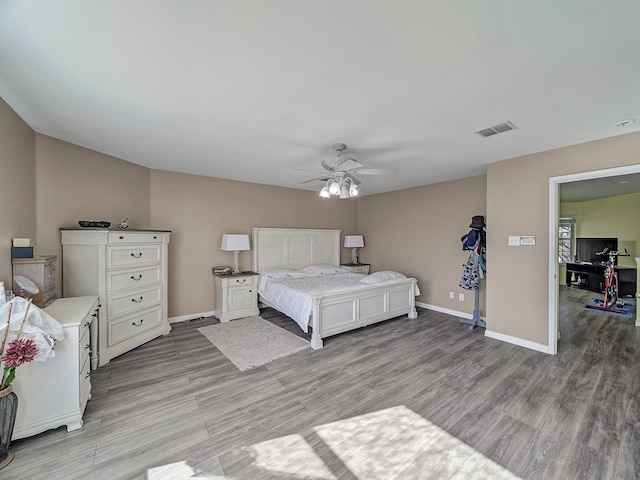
252, 90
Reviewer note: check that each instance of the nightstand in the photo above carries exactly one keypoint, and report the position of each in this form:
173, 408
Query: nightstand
236, 295
357, 267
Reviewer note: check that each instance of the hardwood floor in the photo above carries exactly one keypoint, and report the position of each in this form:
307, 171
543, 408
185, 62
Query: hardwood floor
405, 399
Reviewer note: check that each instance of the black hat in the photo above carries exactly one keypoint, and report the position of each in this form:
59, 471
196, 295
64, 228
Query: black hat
477, 221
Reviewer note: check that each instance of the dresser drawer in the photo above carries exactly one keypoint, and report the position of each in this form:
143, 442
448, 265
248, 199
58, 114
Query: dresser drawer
121, 237
84, 345
132, 325
126, 256
131, 301
85, 385
132, 278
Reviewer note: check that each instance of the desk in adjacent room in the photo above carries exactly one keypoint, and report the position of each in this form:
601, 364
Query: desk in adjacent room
591, 277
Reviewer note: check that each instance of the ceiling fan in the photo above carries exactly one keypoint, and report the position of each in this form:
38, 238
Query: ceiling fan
340, 179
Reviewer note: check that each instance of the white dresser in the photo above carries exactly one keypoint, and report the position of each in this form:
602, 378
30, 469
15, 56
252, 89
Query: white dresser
55, 392
236, 296
128, 271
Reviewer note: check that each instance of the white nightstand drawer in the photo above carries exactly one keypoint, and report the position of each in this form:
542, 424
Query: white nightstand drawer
133, 278
132, 325
238, 281
131, 255
357, 267
131, 301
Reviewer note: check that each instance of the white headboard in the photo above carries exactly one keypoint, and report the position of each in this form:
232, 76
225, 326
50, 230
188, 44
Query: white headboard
293, 248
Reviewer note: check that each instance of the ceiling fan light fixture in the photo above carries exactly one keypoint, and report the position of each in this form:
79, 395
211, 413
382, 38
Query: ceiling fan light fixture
324, 192
334, 188
353, 190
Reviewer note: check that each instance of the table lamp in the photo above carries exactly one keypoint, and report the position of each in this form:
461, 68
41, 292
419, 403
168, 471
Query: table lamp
234, 243
353, 242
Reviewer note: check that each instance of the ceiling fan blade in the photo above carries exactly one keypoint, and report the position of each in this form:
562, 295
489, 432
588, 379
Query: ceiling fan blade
305, 170
375, 171
323, 178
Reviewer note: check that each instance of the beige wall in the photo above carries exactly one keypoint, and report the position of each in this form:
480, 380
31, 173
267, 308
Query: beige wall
199, 210
518, 204
417, 231
75, 183
18, 189
609, 217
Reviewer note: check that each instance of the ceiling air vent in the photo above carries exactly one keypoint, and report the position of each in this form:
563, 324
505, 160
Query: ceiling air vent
500, 128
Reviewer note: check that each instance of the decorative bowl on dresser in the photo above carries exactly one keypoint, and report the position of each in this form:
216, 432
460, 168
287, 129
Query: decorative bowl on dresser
128, 271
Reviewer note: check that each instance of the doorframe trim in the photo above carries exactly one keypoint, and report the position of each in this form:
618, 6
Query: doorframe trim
554, 207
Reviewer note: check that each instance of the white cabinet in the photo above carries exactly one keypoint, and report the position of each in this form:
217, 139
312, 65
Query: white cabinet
55, 392
128, 270
357, 267
236, 296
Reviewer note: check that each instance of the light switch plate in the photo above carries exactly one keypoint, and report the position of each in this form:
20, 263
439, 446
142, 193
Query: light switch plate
528, 240
514, 241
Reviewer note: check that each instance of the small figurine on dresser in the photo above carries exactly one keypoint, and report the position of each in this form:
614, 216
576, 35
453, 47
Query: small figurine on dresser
124, 223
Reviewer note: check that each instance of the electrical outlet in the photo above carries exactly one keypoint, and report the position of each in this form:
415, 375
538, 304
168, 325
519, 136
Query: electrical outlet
451, 295
461, 297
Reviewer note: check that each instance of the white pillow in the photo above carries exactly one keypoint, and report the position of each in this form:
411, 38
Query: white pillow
279, 272
383, 276
316, 270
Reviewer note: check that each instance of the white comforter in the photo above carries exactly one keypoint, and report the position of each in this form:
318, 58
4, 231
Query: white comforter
290, 291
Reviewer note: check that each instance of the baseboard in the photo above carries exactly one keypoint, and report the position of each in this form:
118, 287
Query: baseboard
518, 341
192, 316
448, 311
488, 333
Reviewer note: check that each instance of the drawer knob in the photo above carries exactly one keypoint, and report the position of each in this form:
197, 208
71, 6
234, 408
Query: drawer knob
137, 301
137, 324
136, 256
136, 279
121, 237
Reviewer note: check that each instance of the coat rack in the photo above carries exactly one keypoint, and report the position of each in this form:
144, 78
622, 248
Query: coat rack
475, 268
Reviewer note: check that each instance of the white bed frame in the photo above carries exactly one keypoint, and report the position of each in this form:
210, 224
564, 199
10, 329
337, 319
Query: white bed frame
338, 312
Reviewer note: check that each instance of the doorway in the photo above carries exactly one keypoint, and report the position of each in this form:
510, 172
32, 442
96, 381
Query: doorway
554, 208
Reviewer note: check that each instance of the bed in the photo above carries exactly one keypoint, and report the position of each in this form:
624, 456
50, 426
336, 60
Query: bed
283, 253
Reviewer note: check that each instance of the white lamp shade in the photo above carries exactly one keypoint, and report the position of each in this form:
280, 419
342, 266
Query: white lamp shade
232, 242
353, 241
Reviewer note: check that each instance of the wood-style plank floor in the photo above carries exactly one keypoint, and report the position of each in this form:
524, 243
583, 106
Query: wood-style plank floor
405, 399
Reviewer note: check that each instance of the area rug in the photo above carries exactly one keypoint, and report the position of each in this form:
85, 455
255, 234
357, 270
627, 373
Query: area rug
252, 341
623, 310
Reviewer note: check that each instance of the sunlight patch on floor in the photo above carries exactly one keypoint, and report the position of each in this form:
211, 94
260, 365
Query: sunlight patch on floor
391, 444
178, 471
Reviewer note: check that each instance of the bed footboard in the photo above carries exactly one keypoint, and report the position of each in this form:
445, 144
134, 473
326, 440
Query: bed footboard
348, 310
